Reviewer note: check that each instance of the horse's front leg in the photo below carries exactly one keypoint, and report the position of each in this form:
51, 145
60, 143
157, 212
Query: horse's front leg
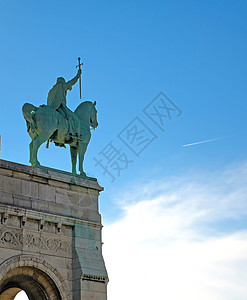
73, 153
82, 150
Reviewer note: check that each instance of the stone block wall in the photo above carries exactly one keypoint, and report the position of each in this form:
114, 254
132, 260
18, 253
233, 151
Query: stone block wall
50, 223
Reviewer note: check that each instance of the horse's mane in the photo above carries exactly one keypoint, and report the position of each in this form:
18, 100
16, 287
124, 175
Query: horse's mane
81, 106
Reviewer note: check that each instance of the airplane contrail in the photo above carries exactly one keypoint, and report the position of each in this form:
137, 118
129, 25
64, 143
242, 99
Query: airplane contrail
205, 141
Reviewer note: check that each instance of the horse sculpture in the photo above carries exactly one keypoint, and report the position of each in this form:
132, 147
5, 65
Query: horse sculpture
44, 124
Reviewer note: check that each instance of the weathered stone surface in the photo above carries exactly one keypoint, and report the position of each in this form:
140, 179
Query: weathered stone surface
50, 232
49, 191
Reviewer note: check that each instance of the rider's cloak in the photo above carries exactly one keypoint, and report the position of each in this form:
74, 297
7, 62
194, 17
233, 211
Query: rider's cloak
57, 94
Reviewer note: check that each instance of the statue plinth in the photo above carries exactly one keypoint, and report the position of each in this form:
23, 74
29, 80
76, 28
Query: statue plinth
50, 225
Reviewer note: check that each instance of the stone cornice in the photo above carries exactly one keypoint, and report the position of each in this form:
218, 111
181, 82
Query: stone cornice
51, 174
36, 215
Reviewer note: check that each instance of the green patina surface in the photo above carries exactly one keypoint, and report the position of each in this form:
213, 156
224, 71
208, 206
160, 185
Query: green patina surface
57, 123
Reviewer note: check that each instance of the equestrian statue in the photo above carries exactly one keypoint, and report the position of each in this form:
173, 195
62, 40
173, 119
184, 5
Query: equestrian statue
57, 123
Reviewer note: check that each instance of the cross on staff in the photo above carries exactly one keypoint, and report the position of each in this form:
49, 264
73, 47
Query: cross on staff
79, 66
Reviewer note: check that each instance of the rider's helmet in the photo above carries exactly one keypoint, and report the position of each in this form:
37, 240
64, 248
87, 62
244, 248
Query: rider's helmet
60, 80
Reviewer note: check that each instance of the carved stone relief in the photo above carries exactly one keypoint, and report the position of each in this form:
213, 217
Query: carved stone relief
14, 237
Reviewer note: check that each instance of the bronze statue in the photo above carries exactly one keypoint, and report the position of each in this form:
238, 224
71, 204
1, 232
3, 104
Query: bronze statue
56, 122
57, 100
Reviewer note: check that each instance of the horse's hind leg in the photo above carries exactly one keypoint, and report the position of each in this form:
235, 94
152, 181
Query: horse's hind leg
31, 152
34, 147
33, 137
73, 153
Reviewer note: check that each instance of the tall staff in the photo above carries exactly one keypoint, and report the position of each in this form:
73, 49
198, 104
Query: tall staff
79, 66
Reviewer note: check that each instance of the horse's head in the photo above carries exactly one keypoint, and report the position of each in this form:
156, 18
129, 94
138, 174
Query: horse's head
87, 112
93, 117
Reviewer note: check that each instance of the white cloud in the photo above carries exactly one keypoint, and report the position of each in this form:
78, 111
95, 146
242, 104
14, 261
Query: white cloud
21, 296
181, 238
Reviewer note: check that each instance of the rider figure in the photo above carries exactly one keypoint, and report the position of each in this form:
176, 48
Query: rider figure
57, 100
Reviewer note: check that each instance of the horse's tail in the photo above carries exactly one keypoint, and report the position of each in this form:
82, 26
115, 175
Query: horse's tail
29, 111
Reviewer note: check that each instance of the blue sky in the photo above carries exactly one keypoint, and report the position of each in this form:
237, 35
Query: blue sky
192, 51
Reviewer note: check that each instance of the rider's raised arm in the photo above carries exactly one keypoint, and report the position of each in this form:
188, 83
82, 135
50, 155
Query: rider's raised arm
70, 83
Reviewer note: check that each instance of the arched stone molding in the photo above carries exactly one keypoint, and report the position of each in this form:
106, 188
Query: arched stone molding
34, 275
10, 293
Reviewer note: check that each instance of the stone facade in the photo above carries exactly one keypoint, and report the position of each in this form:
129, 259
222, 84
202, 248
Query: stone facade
50, 235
